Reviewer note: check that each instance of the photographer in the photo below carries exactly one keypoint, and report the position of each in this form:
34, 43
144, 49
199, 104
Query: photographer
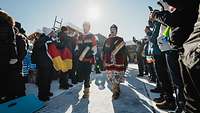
166, 99
181, 16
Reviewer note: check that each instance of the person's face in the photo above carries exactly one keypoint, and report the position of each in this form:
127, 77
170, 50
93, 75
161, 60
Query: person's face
86, 28
113, 31
167, 7
171, 9
66, 32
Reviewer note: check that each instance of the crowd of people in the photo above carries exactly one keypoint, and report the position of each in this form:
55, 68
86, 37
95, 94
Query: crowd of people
63, 52
169, 55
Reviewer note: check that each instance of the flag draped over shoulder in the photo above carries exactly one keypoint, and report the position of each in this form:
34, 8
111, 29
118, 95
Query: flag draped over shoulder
61, 58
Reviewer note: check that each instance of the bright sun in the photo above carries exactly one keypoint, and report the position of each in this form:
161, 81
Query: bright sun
93, 13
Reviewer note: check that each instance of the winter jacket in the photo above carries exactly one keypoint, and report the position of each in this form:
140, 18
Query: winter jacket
181, 20
153, 45
7, 39
140, 47
39, 53
21, 52
21, 47
163, 39
191, 54
86, 42
117, 62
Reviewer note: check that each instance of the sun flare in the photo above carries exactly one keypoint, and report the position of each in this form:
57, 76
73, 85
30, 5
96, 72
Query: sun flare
93, 13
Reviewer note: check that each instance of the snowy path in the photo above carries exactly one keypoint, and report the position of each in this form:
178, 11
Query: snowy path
135, 97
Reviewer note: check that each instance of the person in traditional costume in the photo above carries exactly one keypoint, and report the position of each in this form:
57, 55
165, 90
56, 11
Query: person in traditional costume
86, 51
115, 60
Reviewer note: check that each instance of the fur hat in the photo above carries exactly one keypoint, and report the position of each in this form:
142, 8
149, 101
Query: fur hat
4, 16
114, 26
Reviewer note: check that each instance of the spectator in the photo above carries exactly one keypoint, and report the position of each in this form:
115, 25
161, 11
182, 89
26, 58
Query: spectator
44, 64
8, 56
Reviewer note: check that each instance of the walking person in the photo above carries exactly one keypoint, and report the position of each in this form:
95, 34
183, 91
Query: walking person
86, 51
115, 60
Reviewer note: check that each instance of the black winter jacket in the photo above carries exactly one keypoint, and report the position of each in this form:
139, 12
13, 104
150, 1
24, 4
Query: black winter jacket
39, 55
7, 43
182, 20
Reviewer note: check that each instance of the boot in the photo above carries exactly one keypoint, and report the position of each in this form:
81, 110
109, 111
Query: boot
159, 100
140, 75
156, 90
86, 93
50, 94
44, 99
116, 91
63, 87
167, 105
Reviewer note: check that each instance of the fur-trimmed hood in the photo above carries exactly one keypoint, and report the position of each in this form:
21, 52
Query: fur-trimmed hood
5, 17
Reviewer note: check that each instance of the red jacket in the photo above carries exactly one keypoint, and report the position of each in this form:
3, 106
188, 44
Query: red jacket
87, 43
115, 54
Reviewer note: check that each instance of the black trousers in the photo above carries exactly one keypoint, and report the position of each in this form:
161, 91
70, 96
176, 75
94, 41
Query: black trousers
152, 72
44, 79
175, 74
7, 81
141, 64
163, 76
63, 79
20, 86
84, 71
73, 73
12, 84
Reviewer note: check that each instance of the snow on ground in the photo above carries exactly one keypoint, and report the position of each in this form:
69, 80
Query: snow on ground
32, 89
135, 96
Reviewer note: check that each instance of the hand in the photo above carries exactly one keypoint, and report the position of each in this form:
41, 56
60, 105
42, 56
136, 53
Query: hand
152, 15
134, 39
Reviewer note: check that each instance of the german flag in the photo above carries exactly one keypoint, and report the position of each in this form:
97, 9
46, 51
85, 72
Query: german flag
62, 59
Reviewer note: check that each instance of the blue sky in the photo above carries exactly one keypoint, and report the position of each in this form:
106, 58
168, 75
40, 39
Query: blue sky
129, 15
